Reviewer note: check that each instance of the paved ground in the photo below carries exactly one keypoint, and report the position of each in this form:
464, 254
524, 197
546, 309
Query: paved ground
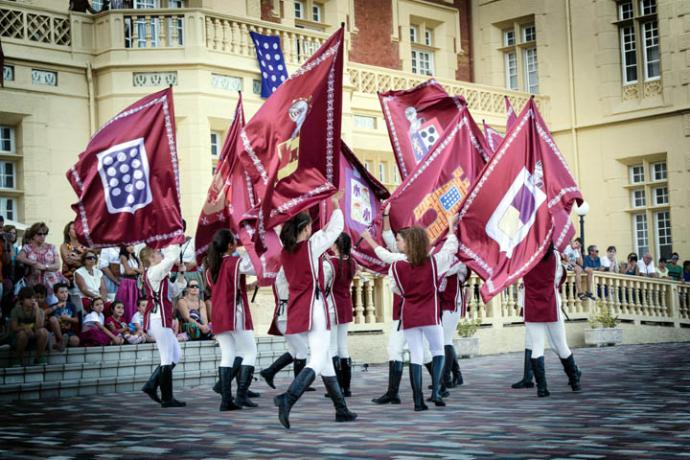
635, 404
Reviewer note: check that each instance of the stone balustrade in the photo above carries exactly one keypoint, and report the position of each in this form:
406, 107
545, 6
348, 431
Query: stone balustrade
34, 26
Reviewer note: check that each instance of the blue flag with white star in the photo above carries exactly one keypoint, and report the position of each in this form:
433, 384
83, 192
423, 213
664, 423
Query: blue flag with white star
271, 62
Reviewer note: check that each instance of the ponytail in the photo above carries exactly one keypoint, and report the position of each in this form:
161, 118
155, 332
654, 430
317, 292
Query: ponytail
344, 245
222, 241
291, 229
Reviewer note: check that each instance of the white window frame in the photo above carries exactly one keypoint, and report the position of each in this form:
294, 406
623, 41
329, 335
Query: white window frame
647, 45
316, 11
96, 4
638, 198
525, 29
367, 165
417, 62
621, 10
640, 235
7, 134
659, 167
396, 177
364, 122
531, 84
643, 6
509, 37
176, 3
660, 192
5, 211
146, 4
668, 239
414, 33
429, 37
629, 46
216, 143
3, 176
299, 9
511, 70
633, 174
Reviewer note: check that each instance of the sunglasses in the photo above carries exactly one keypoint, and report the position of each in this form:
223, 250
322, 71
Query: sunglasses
90, 258
42, 233
194, 286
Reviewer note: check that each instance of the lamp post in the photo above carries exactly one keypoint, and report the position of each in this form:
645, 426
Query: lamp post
582, 211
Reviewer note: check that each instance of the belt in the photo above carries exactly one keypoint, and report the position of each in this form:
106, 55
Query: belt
281, 306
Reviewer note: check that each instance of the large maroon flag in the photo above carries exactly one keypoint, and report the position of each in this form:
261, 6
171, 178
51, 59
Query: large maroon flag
361, 205
519, 205
493, 137
416, 119
224, 198
511, 118
127, 179
291, 145
442, 179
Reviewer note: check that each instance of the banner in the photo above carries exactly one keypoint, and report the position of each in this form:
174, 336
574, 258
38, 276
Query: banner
511, 118
269, 54
493, 137
127, 179
417, 119
518, 206
442, 180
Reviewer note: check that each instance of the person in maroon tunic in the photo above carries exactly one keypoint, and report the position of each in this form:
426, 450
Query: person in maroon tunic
344, 270
232, 319
416, 276
542, 306
453, 306
307, 311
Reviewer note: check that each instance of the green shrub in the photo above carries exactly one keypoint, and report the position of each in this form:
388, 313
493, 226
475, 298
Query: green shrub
467, 328
602, 318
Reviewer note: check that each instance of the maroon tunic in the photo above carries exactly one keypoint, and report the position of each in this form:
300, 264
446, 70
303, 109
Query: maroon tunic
229, 287
541, 291
342, 288
161, 300
419, 289
306, 285
273, 328
397, 306
453, 295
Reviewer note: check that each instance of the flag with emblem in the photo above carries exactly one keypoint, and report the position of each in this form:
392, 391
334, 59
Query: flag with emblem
493, 137
127, 181
416, 119
271, 62
518, 206
442, 179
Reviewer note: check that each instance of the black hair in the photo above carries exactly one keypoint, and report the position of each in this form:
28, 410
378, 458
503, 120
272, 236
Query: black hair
40, 289
127, 254
610, 248
58, 286
344, 245
222, 240
26, 293
141, 299
292, 228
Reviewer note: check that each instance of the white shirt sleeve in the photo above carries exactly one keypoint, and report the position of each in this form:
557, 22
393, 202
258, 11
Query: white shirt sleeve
458, 268
246, 267
394, 284
324, 238
282, 286
156, 273
189, 256
179, 285
389, 239
446, 256
387, 256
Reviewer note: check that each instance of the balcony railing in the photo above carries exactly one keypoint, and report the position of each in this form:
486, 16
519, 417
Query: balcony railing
35, 26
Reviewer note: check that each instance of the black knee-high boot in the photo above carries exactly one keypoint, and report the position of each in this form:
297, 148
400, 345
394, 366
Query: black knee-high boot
416, 382
244, 379
236, 366
342, 413
572, 371
457, 373
226, 402
527, 373
436, 376
270, 372
540, 376
395, 369
338, 376
297, 368
166, 383
447, 378
151, 386
288, 399
346, 374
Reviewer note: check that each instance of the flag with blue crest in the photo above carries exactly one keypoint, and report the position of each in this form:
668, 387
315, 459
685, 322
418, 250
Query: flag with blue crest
271, 62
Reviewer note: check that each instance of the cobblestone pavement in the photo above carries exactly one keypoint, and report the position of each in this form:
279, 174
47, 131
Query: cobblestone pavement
635, 403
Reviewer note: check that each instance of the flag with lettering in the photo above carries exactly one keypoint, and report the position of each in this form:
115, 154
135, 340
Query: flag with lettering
440, 182
417, 119
518, 206
271, 62
493, 137
127, 179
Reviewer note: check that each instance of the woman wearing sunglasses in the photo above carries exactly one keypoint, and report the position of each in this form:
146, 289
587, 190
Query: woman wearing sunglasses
42, 258
89, 280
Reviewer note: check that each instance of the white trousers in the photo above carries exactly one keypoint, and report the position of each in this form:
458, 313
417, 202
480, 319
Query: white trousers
168, 346
319, 338
415, 341
236, 343
339, 340
449, 322
297, 344
536, 333
396, 344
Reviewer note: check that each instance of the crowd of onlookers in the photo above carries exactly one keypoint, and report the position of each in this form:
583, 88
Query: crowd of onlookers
76, 296
632, 265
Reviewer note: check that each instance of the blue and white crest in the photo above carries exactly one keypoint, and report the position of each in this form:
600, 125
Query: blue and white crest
124, 171
450, 198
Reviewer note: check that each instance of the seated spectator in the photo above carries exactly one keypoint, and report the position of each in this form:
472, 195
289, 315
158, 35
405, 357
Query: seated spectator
128, 292
63, 321
662, 269
70, 252
675, 271
93, 330
192, 311
118, 326
646, 266
89, 280
136, 326
109, 264
42, 259
592, 263
631, 267
609, 263
686, 271
27, 327
40, 294
572, 257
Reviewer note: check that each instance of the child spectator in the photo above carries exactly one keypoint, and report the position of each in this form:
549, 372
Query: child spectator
572, 257
136, 326
94, 332
40, 294
118, 326
62, 318
675, 271
27, 327
631, 268
610, 263
662, 269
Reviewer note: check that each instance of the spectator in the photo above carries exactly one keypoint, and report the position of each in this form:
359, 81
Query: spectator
42, 258
128, 292
109, 264
81, 6
89, 280
192, 272
63, 321
136, 326
40, 295
70, 252
631, 267
572, 257
10, 274
646, 266
662, 268
609, 263
592, 263
27, 327
686, 271
93, 331
675, 271
118, 326
192, 310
